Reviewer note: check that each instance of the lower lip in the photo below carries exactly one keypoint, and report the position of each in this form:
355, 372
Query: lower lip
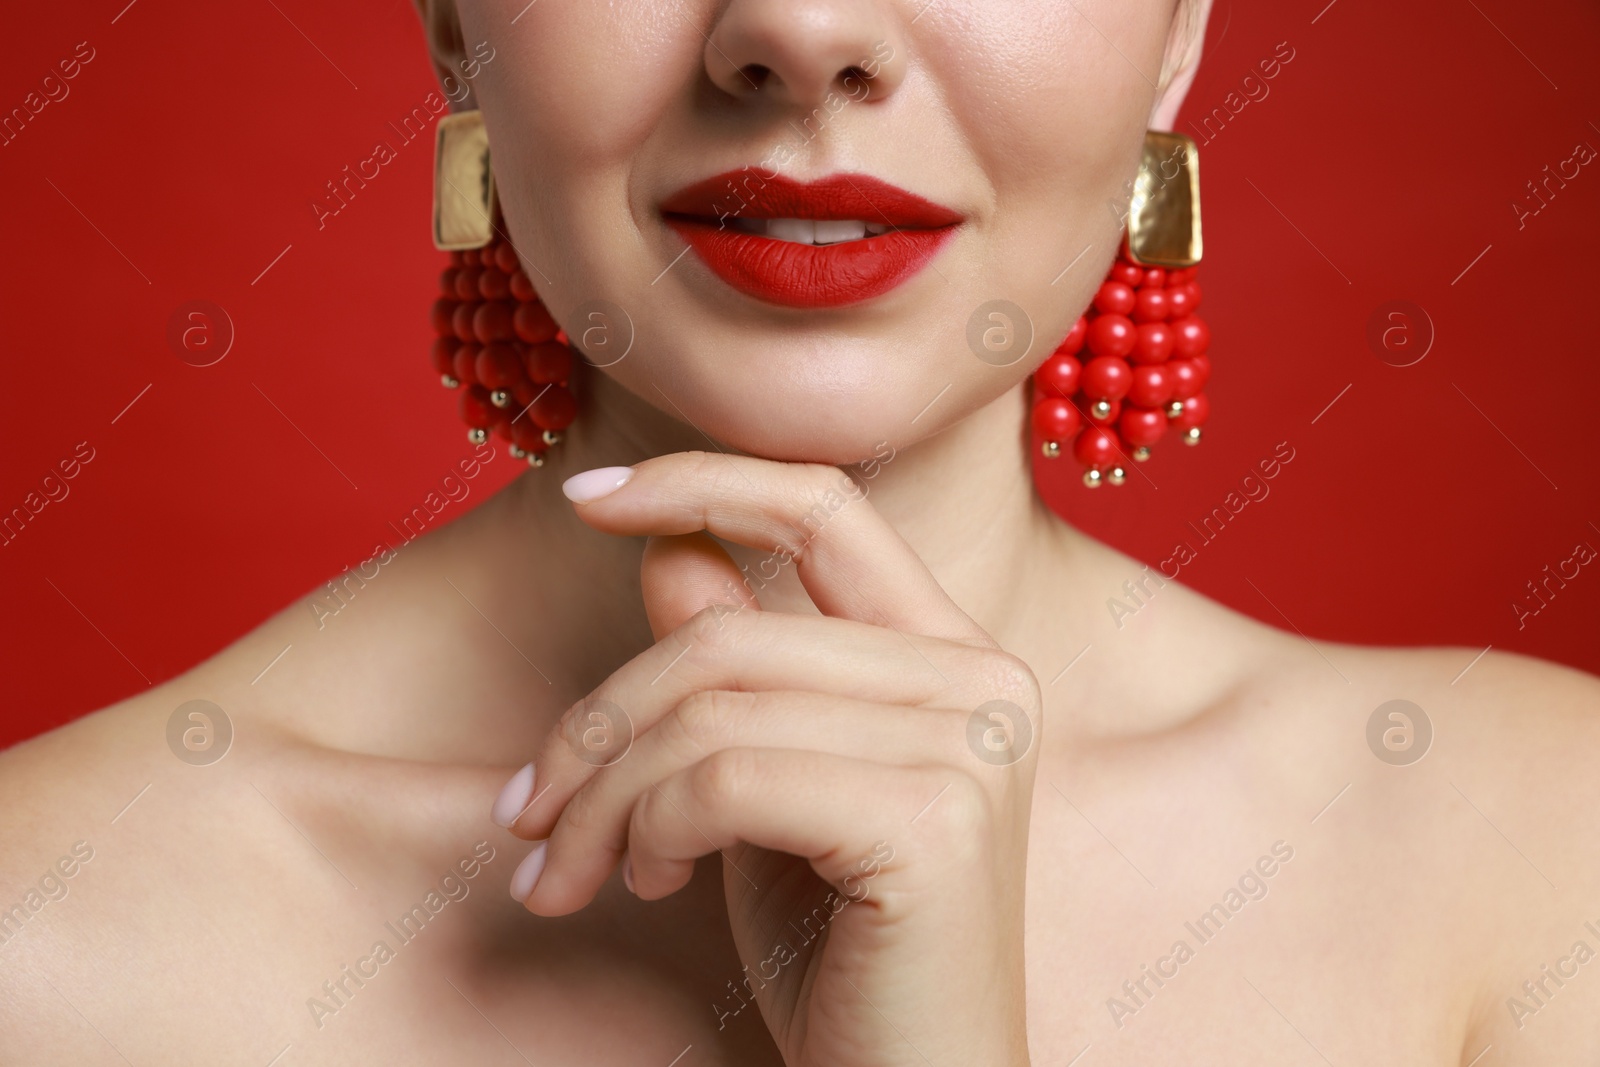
797, 275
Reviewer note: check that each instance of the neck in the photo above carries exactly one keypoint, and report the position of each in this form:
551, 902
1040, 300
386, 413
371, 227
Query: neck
963, 499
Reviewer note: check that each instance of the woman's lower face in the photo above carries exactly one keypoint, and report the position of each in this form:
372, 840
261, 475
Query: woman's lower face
803, 209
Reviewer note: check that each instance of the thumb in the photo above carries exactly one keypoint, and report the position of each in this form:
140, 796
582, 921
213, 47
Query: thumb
683, 573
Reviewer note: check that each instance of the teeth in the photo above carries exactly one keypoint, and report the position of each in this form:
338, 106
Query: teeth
811, 231
800, 231
835, 230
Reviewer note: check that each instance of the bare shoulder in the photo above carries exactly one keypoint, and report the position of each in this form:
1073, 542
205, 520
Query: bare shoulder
1459, 798
1518, 741
1442, 805
53, 786
150, 862
64, 796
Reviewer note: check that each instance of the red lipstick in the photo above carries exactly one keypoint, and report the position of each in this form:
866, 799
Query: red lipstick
727, 219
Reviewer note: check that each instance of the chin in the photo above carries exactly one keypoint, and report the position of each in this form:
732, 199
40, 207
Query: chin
815, 395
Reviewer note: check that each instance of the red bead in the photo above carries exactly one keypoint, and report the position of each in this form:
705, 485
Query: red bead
522, 288
525, 392
1150, 305
1194, 292
1058, 375
464, 364
467, 283
447, 282
442, 316
456, 259
1192, 337
1114, 298
1055, 419
1097, 447
1105, 378
533, 323
1195, 411
1152, 343
1188, 376
1142, 427
1151, 386
476, 410
443, 355
500, 422
555, 409
1179, 302
1074, 340
492, 322
526, 435
548, 361
498, 366
1111, 335
505, 257
1155, 278
1179, 277
494, 284
1126, 273
469, 257
461, 322
1113, 409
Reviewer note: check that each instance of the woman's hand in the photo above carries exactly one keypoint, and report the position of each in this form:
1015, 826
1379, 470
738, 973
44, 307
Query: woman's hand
873, 822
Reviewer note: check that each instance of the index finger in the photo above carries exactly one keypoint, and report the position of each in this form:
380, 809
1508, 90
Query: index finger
851, 561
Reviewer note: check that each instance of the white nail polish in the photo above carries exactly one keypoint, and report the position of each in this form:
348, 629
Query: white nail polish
513, 798
527, 874
592, 485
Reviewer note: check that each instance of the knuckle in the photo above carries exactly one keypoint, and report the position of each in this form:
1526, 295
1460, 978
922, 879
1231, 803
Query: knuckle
963, 814
703, 722
579, 814
566, 726
645, 814
822, 478
818, 492
714, 628
698, 463
718, 781
709, 474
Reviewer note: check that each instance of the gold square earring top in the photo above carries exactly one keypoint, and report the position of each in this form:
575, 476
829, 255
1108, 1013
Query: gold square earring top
1164, 216
463, 183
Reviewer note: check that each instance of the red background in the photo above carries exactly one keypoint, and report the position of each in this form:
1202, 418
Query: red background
1384, 161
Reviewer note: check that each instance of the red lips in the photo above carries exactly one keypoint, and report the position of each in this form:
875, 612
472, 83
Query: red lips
792, 274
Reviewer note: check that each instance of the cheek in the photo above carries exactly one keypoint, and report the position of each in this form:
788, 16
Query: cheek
574, 102
1054, 116
1042, 92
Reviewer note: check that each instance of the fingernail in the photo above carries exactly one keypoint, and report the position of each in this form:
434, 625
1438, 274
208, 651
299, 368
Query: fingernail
592, 485
627, 874
527, 874
513, 798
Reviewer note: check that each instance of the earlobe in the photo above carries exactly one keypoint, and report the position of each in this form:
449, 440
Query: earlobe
1181, 60
447, 48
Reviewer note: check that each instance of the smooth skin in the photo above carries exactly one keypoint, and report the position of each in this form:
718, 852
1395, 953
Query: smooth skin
799, 746
811, 745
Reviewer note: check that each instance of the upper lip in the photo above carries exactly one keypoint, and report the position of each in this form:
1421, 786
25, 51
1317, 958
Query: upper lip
752, 194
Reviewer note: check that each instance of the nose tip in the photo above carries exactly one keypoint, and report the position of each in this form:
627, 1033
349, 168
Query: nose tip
796, 52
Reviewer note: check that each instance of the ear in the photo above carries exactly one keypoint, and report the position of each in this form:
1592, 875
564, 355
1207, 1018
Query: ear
1181, 62
448, 49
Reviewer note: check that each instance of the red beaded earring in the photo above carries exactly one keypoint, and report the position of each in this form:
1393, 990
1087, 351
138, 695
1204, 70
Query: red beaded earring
1147, 358
500, 347
496, 342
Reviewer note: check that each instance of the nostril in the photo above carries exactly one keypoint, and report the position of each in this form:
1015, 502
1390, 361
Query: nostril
756, 74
